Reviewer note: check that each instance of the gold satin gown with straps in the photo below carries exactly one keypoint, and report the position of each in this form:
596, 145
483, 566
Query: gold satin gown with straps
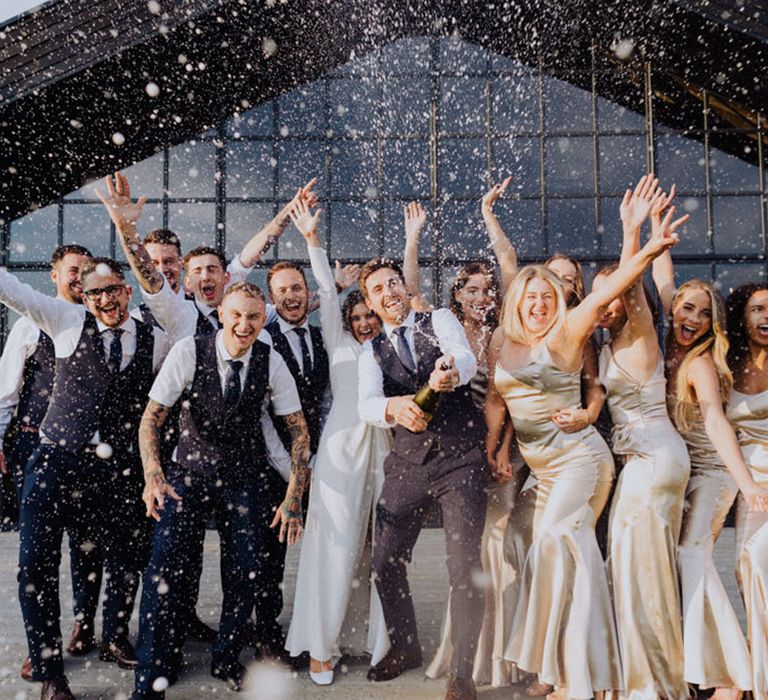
563, 627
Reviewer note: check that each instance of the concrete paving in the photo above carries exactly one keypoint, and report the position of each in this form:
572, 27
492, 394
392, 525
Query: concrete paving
91, 679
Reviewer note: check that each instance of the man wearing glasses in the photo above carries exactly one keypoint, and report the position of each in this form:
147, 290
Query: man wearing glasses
87, 468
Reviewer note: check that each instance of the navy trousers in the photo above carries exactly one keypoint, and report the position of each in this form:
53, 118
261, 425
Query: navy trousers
243, 509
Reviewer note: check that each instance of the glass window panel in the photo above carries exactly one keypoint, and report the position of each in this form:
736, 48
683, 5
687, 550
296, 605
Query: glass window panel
258, 276
293, 246
359, 65
192, 170
680, 160
620, 101
195, 223
693, 234
505, 63
519, 158
521, 221
614, 117
462, 105
151, 218
406, 168
88, 225
411, 55
459, 56
610, 227
88, 190
250, 169
689, 271
354, 106
146, 177
729, 276
394, 233
355, 230
732, 173
37, 279
34, 236
622, 162
463, 166
406, 105
464, 234
566, 107
242, 222
736, 224
301, 112
515, 103
255, 122
353, 169
569, 165
571, 226
298, 162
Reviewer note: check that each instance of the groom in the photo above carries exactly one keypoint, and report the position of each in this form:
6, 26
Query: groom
432, 460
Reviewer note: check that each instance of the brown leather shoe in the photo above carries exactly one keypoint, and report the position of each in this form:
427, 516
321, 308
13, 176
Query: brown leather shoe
393, 664
26, 670
83, 640
56, 689
460, 689
120, 652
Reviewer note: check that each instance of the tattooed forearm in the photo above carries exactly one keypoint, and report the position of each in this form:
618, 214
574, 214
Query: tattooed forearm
300, 452
141, 264
149, 438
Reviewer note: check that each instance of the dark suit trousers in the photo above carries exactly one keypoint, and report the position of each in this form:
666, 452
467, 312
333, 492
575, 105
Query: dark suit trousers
459, 485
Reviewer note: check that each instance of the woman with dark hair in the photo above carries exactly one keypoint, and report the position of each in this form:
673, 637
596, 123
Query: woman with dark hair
747, 314
333, 580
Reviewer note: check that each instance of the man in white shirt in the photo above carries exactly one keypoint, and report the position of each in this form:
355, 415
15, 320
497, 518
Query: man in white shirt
220, 469
435, 457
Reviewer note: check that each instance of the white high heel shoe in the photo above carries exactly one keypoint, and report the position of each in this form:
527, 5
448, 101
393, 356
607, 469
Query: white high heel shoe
322, 677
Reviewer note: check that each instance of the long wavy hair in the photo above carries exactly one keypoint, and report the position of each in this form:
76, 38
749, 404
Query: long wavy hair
511, 322
735, 307
578, 283
714, 341
494, 290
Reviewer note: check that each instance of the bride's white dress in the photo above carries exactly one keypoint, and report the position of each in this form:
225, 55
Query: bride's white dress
335, 607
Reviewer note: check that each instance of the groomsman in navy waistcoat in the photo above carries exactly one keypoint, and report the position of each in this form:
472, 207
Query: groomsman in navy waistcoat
432, 460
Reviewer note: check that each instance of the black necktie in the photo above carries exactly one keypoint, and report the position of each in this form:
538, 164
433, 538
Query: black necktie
214, 316
115, 358
306, 360
404, 350
232, 389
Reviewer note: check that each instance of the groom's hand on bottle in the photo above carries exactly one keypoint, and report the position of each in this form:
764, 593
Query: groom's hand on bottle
445, 377
404, 411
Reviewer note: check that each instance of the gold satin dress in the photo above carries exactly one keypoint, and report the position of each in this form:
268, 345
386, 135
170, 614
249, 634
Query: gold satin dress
715, 650
563, 627
646, 515
749, 415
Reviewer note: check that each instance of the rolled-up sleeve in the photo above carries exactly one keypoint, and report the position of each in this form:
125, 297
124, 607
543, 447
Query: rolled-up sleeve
371, 401
284, 394
453, 341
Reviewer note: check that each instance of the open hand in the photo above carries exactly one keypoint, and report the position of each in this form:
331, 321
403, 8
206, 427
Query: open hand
155, 492
303, 218
290, 518
492, 195
415, 217
346, 275
666, 236
658, 209
122, 210
636, 205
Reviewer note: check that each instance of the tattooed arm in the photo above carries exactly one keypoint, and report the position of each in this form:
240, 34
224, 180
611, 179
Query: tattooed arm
124, 214
155, 486
289, 515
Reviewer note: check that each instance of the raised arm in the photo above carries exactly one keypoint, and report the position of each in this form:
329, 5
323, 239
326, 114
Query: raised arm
502, 246
663, 271
702, 375
415, 217
156, 488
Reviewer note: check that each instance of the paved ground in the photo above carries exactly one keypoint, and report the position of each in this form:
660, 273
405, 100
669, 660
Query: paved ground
92, 679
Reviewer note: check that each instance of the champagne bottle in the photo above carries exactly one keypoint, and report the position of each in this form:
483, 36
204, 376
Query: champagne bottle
428, 400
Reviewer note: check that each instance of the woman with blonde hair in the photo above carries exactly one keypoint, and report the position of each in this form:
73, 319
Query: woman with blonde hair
563, 627
698, 384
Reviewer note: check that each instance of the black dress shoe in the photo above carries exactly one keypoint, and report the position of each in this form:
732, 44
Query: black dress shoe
83, 639
393, 664
56, 689
234, 676
119, 651
199, 631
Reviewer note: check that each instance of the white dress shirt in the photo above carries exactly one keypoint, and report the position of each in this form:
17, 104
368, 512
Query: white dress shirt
372, 402
294, 341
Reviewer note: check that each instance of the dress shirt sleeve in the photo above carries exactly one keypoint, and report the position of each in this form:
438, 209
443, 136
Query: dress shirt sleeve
371, 401
176, 374
162, 347
284, 394
48, 313
21, 343
237, 271
173, 312
453, 341
330, 311
277, 455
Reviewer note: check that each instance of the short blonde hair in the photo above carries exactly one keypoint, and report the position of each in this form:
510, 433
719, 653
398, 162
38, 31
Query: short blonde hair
512, 322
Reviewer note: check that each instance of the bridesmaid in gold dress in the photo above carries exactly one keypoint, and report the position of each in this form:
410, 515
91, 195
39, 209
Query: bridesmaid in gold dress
698, 384
748, 412
563, 626
647, 506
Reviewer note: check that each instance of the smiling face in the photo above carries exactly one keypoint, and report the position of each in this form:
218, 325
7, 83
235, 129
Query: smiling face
614, 316
365, 324
167, 261
206, 278
242, 317
567, 274
106, 296
691, 316
387, 295
476, 298
538, 306
756, 318
66, 276
290, 295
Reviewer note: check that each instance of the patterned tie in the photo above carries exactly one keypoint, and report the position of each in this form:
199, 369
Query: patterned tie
115, 358
306, 360
404, 350
214, 316
232, 390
